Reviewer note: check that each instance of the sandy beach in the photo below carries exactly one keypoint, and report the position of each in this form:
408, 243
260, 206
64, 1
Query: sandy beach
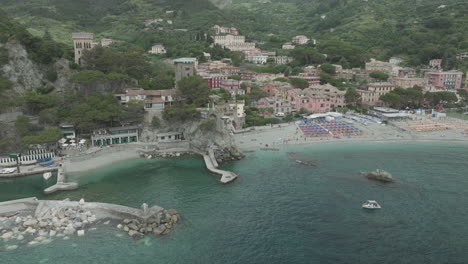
102, 158
289, 134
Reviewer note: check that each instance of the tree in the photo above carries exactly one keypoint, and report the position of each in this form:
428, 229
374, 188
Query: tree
193, 90
392, 99
463, 94
381, 76
352, 97
328, 68
48, 135
98, 110
299, 83
435, 98
23, 125
307, 55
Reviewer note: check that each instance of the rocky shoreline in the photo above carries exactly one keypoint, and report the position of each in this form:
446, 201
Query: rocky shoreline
31, 222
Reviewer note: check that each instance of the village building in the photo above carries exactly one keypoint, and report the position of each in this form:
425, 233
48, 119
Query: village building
311, 80
312, 71
107, 42
288, 46
169, 137
114, 135
233, 42
280, 60
379, 66
301, 40
371, 94
68, 130
395, 60
157, 49
232, 86
247, 75
225, 30
407, 82
185, 67
435, 63
443, 80
214, 80
462, 55
152, 99
82, 41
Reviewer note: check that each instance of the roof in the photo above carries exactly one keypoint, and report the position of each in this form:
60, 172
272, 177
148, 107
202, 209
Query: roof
122, 128
185, 60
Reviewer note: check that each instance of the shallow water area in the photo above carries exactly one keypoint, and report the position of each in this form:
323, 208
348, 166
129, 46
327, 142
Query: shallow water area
278, 211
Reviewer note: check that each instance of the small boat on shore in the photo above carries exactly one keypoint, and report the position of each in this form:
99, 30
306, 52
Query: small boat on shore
47, 175
371, 204
47, 163
7, 170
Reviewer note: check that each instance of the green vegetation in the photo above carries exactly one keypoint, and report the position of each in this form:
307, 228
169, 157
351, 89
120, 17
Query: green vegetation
194, 90
401, 98
299, 83
207, 125
181, 113
328, 68
381, 76
352, 97
253, 118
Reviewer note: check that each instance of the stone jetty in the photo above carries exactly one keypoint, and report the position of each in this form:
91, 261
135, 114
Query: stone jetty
31, 221
61, 185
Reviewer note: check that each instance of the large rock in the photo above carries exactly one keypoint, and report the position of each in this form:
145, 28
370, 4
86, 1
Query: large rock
380, 175
30, 222
135, 234
133, 226
69, 230
81, 232
159, 230
7, 235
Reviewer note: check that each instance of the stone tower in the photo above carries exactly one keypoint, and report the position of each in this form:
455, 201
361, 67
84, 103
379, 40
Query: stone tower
82, 41
185, 67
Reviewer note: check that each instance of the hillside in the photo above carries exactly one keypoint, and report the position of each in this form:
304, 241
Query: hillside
416, 30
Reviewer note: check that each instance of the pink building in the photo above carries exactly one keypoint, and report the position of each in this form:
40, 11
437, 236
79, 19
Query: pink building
312, 80
319, 99
277, 105
440, 80
214, 81
247, 75
231, 85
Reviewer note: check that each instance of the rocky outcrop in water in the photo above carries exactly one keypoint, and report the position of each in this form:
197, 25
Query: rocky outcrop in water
380, 175
227, 154
160, 223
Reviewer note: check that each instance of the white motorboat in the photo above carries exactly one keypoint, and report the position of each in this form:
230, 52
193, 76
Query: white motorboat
371, 204
47, 175
7, 170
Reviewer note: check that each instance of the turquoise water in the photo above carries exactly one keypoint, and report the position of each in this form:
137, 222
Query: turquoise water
282, 212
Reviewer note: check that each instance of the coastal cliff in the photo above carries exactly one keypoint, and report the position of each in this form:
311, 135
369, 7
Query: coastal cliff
219, 137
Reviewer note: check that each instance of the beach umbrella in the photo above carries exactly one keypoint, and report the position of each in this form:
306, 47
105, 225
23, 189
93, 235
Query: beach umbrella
72, 141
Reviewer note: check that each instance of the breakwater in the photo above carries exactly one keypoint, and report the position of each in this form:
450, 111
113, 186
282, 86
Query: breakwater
31, 221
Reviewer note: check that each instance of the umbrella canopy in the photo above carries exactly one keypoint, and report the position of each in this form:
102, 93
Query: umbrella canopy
64, 145
62, 140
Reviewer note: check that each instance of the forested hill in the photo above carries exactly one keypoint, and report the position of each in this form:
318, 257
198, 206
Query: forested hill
417, 30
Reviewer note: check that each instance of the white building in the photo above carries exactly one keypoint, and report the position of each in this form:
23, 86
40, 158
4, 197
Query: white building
301, 40
288, 46
395, 60
260, 59
158, 49
234, 43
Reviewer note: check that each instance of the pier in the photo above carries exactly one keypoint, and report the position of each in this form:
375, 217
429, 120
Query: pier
226, 176
61, 185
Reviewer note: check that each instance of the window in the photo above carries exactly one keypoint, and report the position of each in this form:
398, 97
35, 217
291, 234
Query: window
163, 137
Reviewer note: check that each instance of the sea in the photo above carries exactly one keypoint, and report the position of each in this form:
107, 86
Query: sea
278, 210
